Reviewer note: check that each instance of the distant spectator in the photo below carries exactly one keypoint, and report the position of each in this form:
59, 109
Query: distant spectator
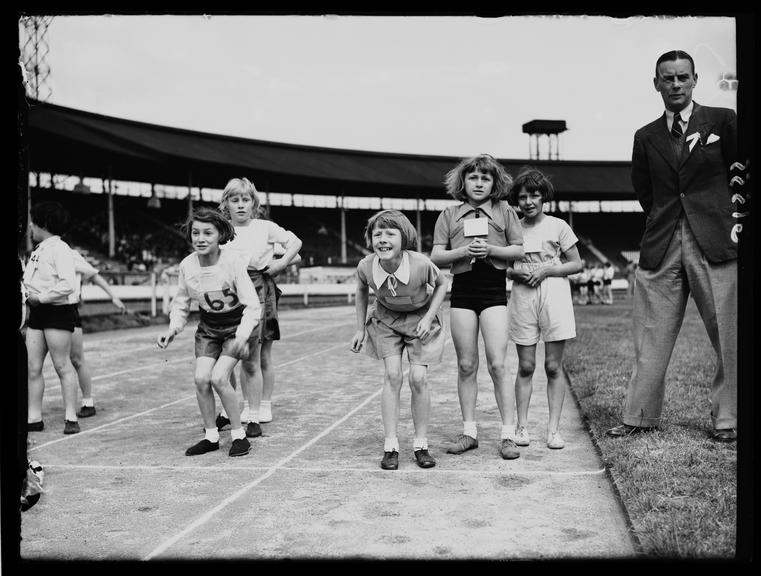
631, 272
608, 271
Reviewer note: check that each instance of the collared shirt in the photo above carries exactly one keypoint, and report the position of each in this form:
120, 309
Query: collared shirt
255, 242
401, 274
408, 288
50, 272
220, 288
504, 230
685, 113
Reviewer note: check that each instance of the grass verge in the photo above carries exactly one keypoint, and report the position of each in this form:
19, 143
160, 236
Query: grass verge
678, 486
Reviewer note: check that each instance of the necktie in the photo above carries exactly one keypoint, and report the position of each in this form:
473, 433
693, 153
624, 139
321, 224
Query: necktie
676, 127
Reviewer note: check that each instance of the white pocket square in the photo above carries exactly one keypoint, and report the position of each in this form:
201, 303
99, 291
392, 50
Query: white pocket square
712, 138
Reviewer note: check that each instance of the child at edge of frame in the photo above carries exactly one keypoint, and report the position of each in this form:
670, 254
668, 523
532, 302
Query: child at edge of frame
409, 290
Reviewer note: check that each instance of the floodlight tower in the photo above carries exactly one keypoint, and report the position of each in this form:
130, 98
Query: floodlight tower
549, 128
36, 72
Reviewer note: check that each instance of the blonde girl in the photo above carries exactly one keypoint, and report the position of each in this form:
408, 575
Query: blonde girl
255, 241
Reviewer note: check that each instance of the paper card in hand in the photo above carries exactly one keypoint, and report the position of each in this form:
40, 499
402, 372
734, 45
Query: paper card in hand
476, 227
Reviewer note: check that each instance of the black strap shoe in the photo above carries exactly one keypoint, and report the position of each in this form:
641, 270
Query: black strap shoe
390, 460
202, 447
424, 459
240, 447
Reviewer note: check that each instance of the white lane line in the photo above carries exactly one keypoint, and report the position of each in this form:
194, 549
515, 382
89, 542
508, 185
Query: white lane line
412, 470
233, 497
184, 399
50, 374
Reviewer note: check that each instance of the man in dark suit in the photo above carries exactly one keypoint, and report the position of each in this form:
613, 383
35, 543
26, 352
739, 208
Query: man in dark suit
680, 173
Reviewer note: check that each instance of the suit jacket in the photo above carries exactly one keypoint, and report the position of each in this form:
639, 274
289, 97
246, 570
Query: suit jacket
697, 183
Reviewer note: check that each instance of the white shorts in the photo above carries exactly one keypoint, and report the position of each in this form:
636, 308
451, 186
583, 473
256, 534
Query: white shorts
541, 313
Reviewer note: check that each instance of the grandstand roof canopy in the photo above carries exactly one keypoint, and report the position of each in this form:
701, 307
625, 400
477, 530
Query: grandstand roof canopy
64, 140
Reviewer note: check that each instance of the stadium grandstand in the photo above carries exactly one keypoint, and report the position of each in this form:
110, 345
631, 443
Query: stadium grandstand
130, 184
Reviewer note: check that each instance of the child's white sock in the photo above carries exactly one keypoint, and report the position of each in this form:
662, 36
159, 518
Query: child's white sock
223, 413
238, 434
469, 429
419, 444
87, 402
508, 431
212, 434
391, 445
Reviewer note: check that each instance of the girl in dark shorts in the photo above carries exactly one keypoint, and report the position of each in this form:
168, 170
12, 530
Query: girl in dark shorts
477, 238
256, 241
49, 283
217, 280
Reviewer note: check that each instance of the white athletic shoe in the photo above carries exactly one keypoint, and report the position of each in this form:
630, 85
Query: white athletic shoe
555, 442
521, 436
265, 414
245, 416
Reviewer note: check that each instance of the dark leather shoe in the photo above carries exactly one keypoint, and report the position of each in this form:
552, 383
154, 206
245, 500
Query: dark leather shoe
240, 447
253, 430
35, 426
222, 421
626, 430
724, 435
86, 412
202, 447
390, 460
424, 459
70, 427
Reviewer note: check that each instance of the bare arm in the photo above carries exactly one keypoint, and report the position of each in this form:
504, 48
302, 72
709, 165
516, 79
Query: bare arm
98, 280
361, 299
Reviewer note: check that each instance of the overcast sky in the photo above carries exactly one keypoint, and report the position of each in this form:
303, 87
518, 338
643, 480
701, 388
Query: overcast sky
421, 85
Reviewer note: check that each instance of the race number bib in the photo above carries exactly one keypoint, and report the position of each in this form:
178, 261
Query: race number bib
476, 227
217, 296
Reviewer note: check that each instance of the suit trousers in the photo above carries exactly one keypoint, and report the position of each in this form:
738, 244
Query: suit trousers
660, 299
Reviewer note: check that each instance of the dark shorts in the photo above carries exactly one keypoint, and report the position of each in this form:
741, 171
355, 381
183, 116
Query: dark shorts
606, 282
77, 317
216, 332
269, 294
480, 288
57, 316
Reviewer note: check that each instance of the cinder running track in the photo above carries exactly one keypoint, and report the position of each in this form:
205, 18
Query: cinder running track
312, 486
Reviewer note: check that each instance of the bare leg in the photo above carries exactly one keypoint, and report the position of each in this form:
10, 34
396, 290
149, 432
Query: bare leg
494, 331
251, 381
78, 361
420, 401
392, 385
59, 346
204, 394
556, 382
464, 329
268, 370
524, 380
220, 380
37, 349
